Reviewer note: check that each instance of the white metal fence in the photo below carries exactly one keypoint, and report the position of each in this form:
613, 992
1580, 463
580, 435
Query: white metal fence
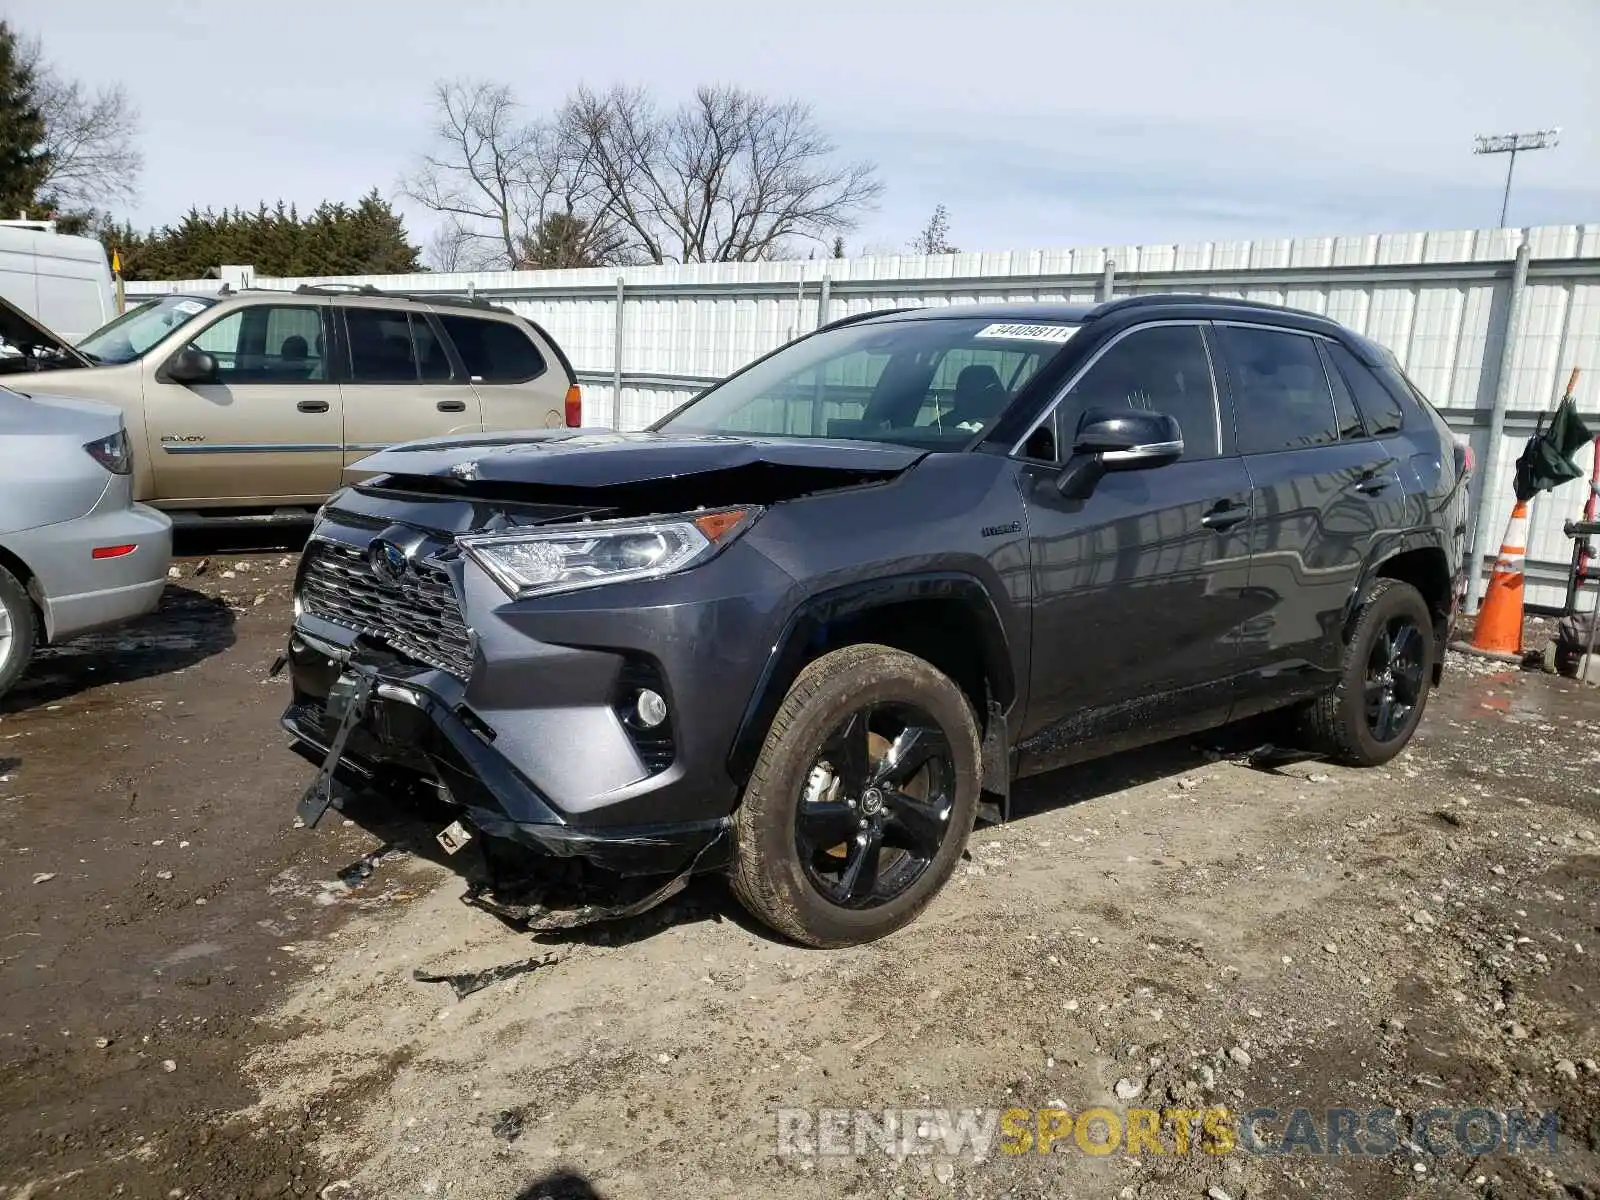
645, 339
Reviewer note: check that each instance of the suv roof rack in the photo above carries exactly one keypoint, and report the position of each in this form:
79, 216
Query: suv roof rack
329, 289
1170, 298
366, 289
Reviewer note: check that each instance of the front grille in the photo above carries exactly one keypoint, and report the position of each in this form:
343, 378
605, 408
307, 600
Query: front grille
419, 618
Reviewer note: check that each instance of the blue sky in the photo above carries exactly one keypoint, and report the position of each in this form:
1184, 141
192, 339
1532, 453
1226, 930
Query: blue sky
1036, 123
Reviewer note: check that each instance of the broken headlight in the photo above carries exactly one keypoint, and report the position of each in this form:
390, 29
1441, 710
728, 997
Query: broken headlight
540, 561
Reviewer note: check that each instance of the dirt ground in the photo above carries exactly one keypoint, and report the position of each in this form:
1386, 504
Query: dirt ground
198, 1000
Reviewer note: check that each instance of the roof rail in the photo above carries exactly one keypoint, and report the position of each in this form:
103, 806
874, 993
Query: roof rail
855, 318
366, 289
1149, 299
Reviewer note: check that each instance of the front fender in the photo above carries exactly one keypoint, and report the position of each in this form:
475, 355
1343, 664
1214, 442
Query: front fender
805, 634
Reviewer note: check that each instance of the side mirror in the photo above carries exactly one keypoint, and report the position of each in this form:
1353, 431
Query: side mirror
1128, 439
1118, 439
192, 366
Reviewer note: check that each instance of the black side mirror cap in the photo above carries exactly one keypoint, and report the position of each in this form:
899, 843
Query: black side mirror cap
190, 365
1129, 439
1117, 439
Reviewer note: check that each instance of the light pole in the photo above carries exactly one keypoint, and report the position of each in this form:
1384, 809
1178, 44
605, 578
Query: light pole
1510, 143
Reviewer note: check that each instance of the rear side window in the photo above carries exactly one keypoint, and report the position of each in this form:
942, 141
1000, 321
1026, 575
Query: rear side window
1344, 404
1378, 405
1164, 369
389, 346
1280, 390
493, 351
433, 364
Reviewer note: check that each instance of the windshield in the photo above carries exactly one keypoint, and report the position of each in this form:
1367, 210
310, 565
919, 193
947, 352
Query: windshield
135, 331
934, 384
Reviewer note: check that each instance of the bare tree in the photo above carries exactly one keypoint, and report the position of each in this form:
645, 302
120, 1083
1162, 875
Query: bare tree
499, 178
728, 177
89, 137
450, 248
612, 178
934, 237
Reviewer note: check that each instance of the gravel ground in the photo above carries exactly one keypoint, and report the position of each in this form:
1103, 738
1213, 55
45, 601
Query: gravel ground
198, 1000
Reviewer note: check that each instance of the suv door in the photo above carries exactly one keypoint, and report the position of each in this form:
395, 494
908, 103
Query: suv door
267, 429
1322, 491
400, 380
1139, 590
513, 376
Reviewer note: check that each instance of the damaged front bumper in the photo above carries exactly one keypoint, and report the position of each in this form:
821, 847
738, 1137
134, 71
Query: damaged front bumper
369, 716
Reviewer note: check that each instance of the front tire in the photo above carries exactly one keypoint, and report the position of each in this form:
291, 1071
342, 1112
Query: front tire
1383, 689
18, 630
861, 801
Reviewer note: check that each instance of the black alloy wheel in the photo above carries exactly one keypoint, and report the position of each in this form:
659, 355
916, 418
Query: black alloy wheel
877, 805
1394, 678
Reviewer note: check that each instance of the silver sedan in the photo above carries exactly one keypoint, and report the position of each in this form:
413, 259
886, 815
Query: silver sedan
76, 553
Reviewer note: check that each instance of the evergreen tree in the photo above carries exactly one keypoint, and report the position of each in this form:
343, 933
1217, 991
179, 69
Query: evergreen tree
562, 240
335, 239
23, 166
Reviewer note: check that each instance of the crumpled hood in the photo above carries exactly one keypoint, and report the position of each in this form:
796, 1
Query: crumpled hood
22, 332
587, 458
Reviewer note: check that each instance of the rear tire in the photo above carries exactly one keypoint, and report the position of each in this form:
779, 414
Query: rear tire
19, 631
1370, 715
833, 846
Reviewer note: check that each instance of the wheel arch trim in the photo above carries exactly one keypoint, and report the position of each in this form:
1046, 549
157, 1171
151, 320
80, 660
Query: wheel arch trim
1385, 552
809, 623
1389, 548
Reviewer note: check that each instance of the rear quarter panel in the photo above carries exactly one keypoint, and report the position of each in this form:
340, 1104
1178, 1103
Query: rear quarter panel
45, 474
538, 403
121, 387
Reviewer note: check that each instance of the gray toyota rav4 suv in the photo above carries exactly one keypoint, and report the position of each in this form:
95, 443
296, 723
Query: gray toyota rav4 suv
808, 628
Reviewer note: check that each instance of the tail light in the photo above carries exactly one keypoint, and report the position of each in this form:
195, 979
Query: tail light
574, 406
113, 453
1466, 461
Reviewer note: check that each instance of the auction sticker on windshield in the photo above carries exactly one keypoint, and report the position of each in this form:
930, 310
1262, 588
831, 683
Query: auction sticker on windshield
189, 307
1028, 333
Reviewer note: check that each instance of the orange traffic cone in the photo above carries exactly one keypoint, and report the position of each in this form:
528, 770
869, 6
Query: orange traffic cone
1499, 627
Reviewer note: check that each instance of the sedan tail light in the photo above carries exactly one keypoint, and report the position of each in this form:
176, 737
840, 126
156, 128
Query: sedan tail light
1465, 459
113, 453
574, 413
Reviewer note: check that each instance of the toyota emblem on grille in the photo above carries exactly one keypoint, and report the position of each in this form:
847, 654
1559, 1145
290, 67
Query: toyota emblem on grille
388, 563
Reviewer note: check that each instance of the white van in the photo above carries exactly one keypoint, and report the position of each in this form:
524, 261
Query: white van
62, 282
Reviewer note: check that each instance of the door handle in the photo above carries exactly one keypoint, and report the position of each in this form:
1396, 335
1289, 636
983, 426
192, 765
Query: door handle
1373, 479
451, 406
1226, 516
312, 406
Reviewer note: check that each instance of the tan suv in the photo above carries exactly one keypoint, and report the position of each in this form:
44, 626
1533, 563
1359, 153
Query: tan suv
249, 404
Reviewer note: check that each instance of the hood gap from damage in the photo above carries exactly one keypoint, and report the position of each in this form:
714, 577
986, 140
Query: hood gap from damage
534, 503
